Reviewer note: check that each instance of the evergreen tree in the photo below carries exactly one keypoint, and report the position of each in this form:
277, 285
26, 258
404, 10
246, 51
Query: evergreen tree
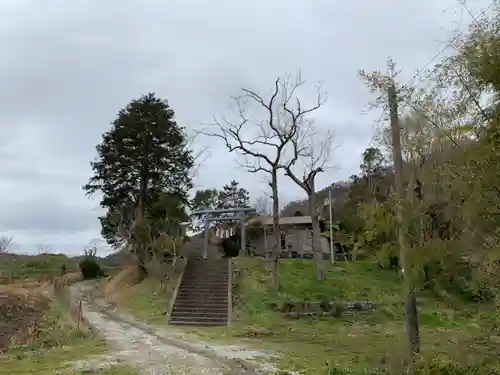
143, 156
203, 200
232, 196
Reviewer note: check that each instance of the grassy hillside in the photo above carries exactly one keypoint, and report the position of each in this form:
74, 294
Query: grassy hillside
34, 266
451, 330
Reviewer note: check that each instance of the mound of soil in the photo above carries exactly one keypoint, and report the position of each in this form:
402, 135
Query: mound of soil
19, 317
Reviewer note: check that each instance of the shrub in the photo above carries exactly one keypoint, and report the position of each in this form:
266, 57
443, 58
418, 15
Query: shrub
90, 269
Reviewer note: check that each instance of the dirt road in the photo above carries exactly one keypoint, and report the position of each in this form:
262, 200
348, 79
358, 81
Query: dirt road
143, 349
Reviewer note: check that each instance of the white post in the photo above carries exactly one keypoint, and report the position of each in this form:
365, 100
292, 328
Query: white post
332, 253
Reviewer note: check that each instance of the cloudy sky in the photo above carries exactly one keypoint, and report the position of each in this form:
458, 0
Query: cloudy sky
67, 67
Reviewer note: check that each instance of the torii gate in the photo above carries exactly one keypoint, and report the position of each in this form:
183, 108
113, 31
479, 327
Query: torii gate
216, 215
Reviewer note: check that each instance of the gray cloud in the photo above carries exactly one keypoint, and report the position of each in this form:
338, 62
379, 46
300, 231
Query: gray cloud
45, 214
66, 68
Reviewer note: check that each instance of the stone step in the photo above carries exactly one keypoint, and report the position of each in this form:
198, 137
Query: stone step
205, 281
208, 269
181, 322
198, 289
202, 302
199, 319
201, 282
200, 308
196, 301
188, 306
177, 314
202, 298
189, 288
204, 276
202, 294
208, 309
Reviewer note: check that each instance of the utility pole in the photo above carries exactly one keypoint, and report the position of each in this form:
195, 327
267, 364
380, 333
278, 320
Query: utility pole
410, 303
332, 252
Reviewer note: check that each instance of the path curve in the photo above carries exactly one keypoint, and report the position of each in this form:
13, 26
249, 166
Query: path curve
143, 350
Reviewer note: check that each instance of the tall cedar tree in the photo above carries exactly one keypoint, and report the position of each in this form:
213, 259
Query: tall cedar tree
143, 155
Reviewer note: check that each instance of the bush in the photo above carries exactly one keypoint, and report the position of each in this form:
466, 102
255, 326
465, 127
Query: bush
231, 246
90, 269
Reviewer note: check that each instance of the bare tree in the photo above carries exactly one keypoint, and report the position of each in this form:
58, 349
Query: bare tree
43, 249
261, 205
260, 133
311, 150
5, 242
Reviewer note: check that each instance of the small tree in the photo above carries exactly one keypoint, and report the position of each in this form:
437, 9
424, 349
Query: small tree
261, 206
260, 133
5, 242
313, 155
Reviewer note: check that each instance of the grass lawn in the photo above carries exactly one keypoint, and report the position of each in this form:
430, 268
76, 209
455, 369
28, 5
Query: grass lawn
450, 331
145, 301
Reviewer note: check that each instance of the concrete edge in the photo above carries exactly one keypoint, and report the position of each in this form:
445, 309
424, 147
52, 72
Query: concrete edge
250, 367
176, 289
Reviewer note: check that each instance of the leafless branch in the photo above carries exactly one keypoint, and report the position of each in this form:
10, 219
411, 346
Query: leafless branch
311, 151
5, 242
199, 157
261, 138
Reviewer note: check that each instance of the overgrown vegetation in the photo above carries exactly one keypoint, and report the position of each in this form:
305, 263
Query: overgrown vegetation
19, 266
442, 226
52, 344
353, 340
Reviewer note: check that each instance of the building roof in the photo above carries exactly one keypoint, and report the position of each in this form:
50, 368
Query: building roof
285, 220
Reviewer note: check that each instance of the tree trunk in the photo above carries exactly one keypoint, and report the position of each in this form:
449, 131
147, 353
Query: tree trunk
411, 311
141, 246
137, 236
316, 235
276, 229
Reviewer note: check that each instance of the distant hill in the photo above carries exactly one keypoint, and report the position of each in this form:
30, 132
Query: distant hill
117, 259
340, 191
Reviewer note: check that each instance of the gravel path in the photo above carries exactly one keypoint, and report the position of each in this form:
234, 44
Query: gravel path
144, 350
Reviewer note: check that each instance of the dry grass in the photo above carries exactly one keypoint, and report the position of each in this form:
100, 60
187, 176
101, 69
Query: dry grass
41, 267
20, 316
123, 280
53, 342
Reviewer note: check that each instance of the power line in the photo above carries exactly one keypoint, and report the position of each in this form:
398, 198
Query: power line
452, 41
437, 55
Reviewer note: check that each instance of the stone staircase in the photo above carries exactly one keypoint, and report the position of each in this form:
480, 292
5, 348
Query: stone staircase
202, 298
